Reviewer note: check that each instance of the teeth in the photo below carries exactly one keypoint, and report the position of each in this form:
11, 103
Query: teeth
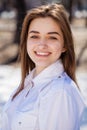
42, 53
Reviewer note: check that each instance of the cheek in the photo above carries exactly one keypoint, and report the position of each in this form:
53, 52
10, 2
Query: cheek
29, 46
57, 48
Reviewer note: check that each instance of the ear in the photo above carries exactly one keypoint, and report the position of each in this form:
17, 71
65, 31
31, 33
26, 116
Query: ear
64, 49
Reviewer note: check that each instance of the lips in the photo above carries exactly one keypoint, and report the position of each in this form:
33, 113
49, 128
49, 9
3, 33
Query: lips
42, 53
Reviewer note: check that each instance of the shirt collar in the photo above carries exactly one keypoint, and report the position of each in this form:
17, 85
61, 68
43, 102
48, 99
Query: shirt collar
48, 74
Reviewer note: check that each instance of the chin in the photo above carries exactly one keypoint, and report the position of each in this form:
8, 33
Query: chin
44, 65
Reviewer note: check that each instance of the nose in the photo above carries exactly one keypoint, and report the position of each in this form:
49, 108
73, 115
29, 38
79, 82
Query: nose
42, 43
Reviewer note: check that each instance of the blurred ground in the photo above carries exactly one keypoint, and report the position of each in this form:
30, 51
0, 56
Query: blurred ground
10, 74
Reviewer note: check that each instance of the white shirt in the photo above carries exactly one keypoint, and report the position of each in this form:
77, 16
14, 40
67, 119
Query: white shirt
50, 101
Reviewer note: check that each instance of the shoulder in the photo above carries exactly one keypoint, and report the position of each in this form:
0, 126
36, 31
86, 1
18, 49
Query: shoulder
64, 84
61, 84
69, 92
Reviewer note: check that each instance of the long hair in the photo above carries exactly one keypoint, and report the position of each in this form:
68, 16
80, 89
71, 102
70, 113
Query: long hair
58, 13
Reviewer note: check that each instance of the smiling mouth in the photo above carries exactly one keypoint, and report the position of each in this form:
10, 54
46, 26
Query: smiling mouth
42, 53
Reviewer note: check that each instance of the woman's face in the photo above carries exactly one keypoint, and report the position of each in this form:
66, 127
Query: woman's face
44, 42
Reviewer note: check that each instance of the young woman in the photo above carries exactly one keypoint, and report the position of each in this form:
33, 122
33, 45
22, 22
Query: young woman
48, 97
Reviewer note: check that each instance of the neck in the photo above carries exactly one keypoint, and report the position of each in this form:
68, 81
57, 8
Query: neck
38, 70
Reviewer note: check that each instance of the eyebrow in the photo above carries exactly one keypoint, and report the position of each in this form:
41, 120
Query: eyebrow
34, 32
47, 33
54, 33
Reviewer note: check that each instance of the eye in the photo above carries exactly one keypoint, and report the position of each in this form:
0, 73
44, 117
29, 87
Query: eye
34, 37
53, 38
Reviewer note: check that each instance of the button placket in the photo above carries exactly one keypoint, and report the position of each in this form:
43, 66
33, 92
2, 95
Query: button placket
31, 84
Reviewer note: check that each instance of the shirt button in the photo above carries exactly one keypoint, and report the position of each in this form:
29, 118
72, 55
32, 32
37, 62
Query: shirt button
59, 77
19, 123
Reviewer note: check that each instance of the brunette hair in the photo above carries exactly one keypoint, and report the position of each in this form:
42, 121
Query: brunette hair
58, 13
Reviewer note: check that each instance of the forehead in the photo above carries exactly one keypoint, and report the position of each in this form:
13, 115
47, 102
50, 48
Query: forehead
44, 24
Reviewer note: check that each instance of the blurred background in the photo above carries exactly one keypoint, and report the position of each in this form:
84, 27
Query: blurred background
12, 13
